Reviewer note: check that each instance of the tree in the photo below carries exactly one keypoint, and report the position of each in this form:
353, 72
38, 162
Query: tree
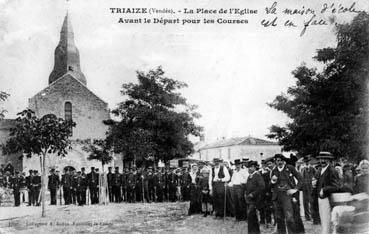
100, 150
329, 109
39, 136
3, 97
155, 120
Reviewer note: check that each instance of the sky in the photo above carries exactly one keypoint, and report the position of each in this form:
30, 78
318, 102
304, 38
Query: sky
232, 71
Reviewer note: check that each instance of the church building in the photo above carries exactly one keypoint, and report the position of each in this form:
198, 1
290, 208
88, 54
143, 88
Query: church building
67, 96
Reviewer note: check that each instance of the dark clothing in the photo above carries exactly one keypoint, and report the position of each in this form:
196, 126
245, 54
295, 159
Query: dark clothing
218, 196
123, 179
284, 212
239, 202
83, 188
185, 186
93, 185
252, 220
195, 202
296, 213
30, 188
116, 187
16, 185
254, 187
53, 185
110, 176
172, 186
307, 175
219, 192
159, 183
67, 188
328, 182
36, 181
266, 208
362, 184
131, 187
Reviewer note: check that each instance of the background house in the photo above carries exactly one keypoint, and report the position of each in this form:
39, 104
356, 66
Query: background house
237, 148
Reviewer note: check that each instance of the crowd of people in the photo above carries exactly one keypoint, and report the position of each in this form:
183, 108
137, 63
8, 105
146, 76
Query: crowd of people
269, 194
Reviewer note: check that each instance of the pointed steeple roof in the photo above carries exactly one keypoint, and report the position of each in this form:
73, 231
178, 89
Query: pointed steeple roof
67, 55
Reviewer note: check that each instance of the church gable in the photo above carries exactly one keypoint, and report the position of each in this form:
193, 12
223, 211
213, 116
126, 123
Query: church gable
69, 98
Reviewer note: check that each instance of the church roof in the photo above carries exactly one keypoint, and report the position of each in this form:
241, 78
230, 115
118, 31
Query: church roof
68, 74
66, 55
238, 141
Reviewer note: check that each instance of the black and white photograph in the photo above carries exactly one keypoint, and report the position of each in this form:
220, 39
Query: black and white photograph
184, 116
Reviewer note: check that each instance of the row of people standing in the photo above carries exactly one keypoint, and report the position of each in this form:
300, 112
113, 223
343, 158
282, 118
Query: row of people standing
133, 185
25, 188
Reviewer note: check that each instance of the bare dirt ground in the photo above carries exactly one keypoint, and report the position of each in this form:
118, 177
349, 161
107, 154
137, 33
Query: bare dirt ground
120, 218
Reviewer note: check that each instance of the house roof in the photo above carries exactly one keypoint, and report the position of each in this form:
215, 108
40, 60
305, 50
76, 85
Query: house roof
238, 141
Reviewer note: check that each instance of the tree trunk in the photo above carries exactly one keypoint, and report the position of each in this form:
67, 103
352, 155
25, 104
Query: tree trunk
43, 183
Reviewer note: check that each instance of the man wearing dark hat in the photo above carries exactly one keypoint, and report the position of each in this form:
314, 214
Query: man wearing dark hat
65, 183
84, 187
327, 182
15, 184
238, 182
172, 182
109, 177
116, 186
97, 186
254, 187
266, 208
81, 188
93, 181
159, 182
219, 177
37, 187
307, 173
131, 185
123, 178
283, 188
29, 180
53, 186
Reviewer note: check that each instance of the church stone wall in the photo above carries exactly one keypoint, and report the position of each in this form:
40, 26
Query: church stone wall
88, 110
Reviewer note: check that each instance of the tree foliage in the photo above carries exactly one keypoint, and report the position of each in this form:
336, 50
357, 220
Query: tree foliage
39, 136
155, 120
99, 150
329, 109
33, 135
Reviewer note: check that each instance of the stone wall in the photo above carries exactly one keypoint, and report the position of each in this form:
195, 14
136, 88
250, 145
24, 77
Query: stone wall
88, 110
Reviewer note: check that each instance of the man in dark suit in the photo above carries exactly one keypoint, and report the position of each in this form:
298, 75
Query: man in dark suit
84, 187
307, 173
123, 179
15, 183
29, 180
254, 186
37, 187
116, 185
67, 185
80, 186
326, 183
131, 185
53, 186
283, 189
110, 176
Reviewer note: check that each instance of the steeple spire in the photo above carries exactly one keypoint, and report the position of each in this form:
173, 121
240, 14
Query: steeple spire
67, 55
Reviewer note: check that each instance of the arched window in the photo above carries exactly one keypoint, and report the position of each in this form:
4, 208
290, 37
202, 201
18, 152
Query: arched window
68, 113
